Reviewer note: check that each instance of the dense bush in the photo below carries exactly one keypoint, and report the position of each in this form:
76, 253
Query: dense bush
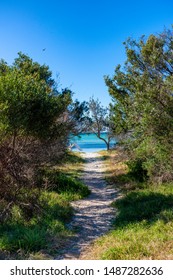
136, 170
61, 183
36, 120
143, 104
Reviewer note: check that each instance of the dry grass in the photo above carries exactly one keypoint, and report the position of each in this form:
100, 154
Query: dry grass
144, 225
73, 164
42, 236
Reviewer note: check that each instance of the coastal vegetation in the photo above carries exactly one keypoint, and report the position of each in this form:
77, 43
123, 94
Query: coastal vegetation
143, 223
36, 120
142, 165
39, 176
43, 235
142, 107
99, 121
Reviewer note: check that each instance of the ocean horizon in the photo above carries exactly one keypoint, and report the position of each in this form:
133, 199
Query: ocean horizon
89, 142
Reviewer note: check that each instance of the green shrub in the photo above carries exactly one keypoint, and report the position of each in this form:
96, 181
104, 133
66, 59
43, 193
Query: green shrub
19, 237
137, 170
61, 183
142, 205
55, 208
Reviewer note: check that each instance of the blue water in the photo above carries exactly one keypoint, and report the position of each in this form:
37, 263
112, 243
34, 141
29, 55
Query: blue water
89, 142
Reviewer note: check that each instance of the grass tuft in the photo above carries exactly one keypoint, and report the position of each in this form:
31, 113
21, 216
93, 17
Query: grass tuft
144, 219
45, 232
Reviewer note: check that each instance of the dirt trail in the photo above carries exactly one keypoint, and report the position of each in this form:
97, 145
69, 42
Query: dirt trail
93, 215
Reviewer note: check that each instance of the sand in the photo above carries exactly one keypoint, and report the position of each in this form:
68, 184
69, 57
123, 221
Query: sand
93, 215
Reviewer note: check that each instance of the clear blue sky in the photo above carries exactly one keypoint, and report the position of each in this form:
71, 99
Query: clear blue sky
83, 39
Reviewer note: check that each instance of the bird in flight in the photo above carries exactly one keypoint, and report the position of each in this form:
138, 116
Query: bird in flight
43, 49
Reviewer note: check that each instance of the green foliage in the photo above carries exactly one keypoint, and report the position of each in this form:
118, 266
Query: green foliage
144, 218
19, 235
136, 170
99, 120
142, 228
35, 124
56, 207
61, 183
143, 103
30, 230
33, 235
36, 120
78, 116
27, 97
140, 242
73, 158
151, 203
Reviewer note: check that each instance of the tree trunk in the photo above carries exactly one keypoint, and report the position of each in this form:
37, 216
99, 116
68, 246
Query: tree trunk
106, 142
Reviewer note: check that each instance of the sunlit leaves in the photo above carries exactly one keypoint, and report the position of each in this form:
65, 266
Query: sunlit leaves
142, 95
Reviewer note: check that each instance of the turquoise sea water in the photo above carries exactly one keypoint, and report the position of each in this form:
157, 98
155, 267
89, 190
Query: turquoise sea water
89, 142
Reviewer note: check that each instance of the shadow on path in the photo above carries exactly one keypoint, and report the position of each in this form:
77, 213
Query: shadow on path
93, 215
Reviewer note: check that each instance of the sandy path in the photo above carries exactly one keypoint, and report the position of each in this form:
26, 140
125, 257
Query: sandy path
93, 215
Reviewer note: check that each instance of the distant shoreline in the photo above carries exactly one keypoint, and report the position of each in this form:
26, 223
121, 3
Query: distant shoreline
89, 142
